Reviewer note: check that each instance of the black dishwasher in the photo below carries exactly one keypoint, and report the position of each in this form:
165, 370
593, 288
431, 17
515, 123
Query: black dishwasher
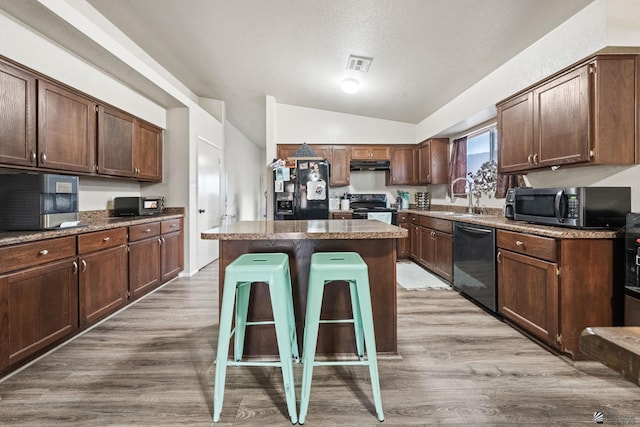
474, 263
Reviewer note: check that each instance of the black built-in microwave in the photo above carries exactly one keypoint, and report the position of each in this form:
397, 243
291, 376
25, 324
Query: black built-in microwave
576, 207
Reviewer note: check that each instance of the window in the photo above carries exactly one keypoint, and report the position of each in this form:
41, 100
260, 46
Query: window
482, 146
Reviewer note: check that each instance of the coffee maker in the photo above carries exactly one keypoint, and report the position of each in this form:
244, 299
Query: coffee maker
37, 201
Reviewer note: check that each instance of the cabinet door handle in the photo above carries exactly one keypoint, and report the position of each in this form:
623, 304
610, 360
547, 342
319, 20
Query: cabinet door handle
530, 159
84, 265
535, 159
106, 239
75, 267
499, 256
159, 241
43, 252
43, 157
33, 156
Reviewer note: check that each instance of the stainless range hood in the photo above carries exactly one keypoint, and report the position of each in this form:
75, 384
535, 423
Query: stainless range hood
369, 165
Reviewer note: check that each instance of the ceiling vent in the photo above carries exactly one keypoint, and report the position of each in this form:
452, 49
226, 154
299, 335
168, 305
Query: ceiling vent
359, 63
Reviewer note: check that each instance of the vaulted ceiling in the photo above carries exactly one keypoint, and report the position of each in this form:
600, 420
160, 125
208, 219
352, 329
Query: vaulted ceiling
425, 52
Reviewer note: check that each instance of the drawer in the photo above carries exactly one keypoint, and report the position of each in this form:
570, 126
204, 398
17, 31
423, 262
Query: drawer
30, 254
144, 231
102, 240
528, 244
170, 225
443, 225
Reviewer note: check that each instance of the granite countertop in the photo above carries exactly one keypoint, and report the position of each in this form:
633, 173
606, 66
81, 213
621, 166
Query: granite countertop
319, 229
88, 223
500, 222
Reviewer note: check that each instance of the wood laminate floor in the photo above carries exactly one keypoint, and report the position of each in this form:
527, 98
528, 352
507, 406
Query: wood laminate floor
152, 365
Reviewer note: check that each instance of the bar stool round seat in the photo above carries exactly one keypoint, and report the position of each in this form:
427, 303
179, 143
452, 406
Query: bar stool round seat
327, 267
273, 269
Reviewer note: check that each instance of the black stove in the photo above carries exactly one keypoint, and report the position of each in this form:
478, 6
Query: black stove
375, 204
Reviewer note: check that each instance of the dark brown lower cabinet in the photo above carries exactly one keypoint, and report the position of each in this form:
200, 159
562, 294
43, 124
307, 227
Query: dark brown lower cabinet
554, 288
103, 274
51, 289
528, 294
144, 262
156, 254
38, 307
432, 245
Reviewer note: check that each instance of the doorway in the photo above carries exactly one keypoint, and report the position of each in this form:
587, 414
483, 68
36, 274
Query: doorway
208, 204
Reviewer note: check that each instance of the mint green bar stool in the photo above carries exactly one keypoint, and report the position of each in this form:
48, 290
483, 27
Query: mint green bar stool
350, 267
273, 269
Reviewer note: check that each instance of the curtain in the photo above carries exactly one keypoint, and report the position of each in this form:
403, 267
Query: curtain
504, 182
458, 166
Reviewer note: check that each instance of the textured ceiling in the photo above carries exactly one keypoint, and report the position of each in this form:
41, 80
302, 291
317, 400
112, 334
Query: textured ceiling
425, 52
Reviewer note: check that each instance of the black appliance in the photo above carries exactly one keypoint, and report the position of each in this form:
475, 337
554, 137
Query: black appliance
302, 190
372, 206
576, 207
474, 263
138, 206
632, 276
38, 201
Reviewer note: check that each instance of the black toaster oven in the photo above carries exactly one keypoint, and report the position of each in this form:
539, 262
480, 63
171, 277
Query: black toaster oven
138, 206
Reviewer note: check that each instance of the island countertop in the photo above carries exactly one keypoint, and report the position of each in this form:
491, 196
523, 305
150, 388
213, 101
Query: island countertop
317, 229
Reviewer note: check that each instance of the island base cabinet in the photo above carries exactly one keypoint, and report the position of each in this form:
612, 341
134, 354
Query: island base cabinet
380, 256
38, 307
528, 294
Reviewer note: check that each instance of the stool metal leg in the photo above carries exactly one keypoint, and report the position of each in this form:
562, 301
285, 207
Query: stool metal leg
357, 319
243, 291
312, 322
364, 299
281, 319
224, 336
293, 335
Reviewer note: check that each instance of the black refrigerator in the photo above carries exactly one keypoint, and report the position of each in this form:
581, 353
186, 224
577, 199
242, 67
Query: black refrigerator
301, 189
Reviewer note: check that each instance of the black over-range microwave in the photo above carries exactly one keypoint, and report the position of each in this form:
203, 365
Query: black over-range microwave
577, 207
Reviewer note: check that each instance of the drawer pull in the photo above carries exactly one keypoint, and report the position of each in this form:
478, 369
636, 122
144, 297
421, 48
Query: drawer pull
43, 252
106, 239
519, 243
174, 225
148, 230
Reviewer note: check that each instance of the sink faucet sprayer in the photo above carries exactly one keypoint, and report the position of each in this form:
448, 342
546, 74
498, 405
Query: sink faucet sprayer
468, 191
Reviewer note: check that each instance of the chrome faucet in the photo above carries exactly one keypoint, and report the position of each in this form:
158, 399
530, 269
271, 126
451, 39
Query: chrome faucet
468, 191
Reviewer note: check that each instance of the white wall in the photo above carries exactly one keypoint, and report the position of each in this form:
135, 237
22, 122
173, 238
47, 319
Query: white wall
300, 124
244, 176
28, 48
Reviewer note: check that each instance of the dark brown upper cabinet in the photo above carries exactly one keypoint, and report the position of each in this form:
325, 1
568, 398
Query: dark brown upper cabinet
583, 115
17, 116
66, 129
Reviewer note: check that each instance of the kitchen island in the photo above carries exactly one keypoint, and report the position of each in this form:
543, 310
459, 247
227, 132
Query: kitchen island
375, 241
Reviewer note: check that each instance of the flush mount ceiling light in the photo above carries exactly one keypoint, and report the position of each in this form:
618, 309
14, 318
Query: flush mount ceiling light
350, 85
